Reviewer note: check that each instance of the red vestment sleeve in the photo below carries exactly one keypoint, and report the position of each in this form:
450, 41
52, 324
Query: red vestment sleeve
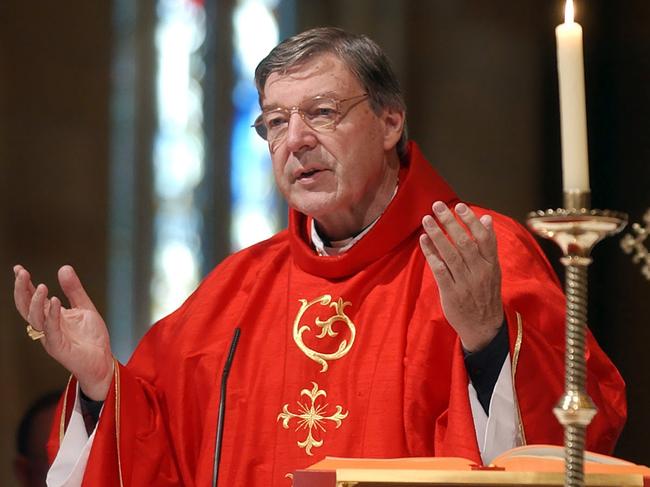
534, 307
131, 446
61, 418
455, 435
535, 311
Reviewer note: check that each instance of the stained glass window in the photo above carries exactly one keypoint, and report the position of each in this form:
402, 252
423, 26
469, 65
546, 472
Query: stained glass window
178, 154
178, 162
255, 207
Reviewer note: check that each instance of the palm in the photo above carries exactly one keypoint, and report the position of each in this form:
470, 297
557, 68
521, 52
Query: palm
82, 344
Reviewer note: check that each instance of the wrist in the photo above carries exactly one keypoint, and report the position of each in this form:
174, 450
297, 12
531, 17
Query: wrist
476, 340
98, 390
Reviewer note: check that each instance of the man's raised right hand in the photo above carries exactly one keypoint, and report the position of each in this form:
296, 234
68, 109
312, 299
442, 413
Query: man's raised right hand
76, 337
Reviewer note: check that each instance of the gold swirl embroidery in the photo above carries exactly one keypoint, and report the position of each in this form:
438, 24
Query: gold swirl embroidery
311, 417
326, 329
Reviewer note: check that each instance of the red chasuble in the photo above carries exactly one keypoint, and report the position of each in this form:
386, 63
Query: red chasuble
345, 356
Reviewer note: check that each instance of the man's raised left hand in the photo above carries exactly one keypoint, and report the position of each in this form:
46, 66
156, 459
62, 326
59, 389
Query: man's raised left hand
465, 265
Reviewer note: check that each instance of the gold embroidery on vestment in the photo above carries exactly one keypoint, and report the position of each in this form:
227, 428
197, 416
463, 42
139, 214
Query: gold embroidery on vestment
311, 417
62, 424
326, 329
118, 415
521, 434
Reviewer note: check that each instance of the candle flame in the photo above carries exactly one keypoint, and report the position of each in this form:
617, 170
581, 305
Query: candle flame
568, 12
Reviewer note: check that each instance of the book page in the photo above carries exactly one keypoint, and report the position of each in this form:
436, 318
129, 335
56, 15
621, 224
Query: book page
531, 458
413, 463
550, 458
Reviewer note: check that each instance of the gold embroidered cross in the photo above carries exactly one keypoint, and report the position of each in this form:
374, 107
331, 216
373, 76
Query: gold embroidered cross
311, 417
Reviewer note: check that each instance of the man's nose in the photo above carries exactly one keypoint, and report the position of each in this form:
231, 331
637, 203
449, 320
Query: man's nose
300, 136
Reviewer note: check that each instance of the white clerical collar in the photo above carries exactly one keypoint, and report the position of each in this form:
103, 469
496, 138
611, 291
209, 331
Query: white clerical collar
338, 247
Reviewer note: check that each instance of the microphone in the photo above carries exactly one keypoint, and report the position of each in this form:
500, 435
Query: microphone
222, 406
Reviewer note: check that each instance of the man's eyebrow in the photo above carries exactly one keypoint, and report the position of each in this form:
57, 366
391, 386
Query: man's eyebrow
273, 106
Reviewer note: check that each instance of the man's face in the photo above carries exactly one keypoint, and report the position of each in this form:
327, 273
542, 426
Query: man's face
329, 172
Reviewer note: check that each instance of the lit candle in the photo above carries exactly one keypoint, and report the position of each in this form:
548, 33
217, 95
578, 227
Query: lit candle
570, 64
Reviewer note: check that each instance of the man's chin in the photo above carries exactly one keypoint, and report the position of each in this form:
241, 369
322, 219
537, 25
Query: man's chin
315, 206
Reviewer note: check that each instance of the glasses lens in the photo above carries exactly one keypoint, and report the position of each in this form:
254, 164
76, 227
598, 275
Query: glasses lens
275, 123
260, 128
320, 112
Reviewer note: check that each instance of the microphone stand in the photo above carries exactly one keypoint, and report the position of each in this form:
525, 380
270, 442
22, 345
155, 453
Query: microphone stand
222, 406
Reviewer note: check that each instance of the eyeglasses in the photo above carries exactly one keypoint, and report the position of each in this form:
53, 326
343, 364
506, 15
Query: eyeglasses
320, 113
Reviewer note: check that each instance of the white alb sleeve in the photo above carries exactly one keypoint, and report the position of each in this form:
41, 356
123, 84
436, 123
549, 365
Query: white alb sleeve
69, 466
497, 432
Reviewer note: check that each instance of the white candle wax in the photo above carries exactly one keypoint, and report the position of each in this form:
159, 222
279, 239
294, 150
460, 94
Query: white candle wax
575, 161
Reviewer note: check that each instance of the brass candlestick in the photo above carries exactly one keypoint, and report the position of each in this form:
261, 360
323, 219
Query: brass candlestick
575, 229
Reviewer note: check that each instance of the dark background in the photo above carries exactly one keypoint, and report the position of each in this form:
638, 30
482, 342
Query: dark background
481, 86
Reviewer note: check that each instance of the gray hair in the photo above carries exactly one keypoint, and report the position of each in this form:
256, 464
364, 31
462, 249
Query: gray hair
362, 56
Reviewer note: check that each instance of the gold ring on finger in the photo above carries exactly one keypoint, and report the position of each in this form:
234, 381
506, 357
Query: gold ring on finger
35, 334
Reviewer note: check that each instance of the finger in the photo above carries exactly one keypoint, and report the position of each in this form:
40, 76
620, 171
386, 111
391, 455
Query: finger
18, 269
447, 251
73, 289
458, 234
36, 315
23, 291
439, 269
491, 244
52, 325
481, 233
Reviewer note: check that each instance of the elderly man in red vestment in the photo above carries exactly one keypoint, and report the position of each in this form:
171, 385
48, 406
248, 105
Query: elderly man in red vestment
389, 319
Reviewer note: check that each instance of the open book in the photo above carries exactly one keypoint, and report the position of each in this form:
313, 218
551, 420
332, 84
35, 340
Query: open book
527, 465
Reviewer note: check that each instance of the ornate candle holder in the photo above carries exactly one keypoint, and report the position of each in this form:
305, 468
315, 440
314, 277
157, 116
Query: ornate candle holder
634, 244
576, 229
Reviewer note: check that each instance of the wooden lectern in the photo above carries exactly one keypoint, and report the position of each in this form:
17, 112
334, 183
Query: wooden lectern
440, 478
443, 472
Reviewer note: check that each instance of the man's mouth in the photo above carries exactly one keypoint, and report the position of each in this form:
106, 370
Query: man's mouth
308, 174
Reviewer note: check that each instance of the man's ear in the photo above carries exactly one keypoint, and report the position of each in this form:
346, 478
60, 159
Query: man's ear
393, 121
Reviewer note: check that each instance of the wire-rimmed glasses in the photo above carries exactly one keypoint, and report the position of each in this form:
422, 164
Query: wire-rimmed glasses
321, 113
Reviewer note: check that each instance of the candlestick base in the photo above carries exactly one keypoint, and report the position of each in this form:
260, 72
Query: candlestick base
576, 199
576, 230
